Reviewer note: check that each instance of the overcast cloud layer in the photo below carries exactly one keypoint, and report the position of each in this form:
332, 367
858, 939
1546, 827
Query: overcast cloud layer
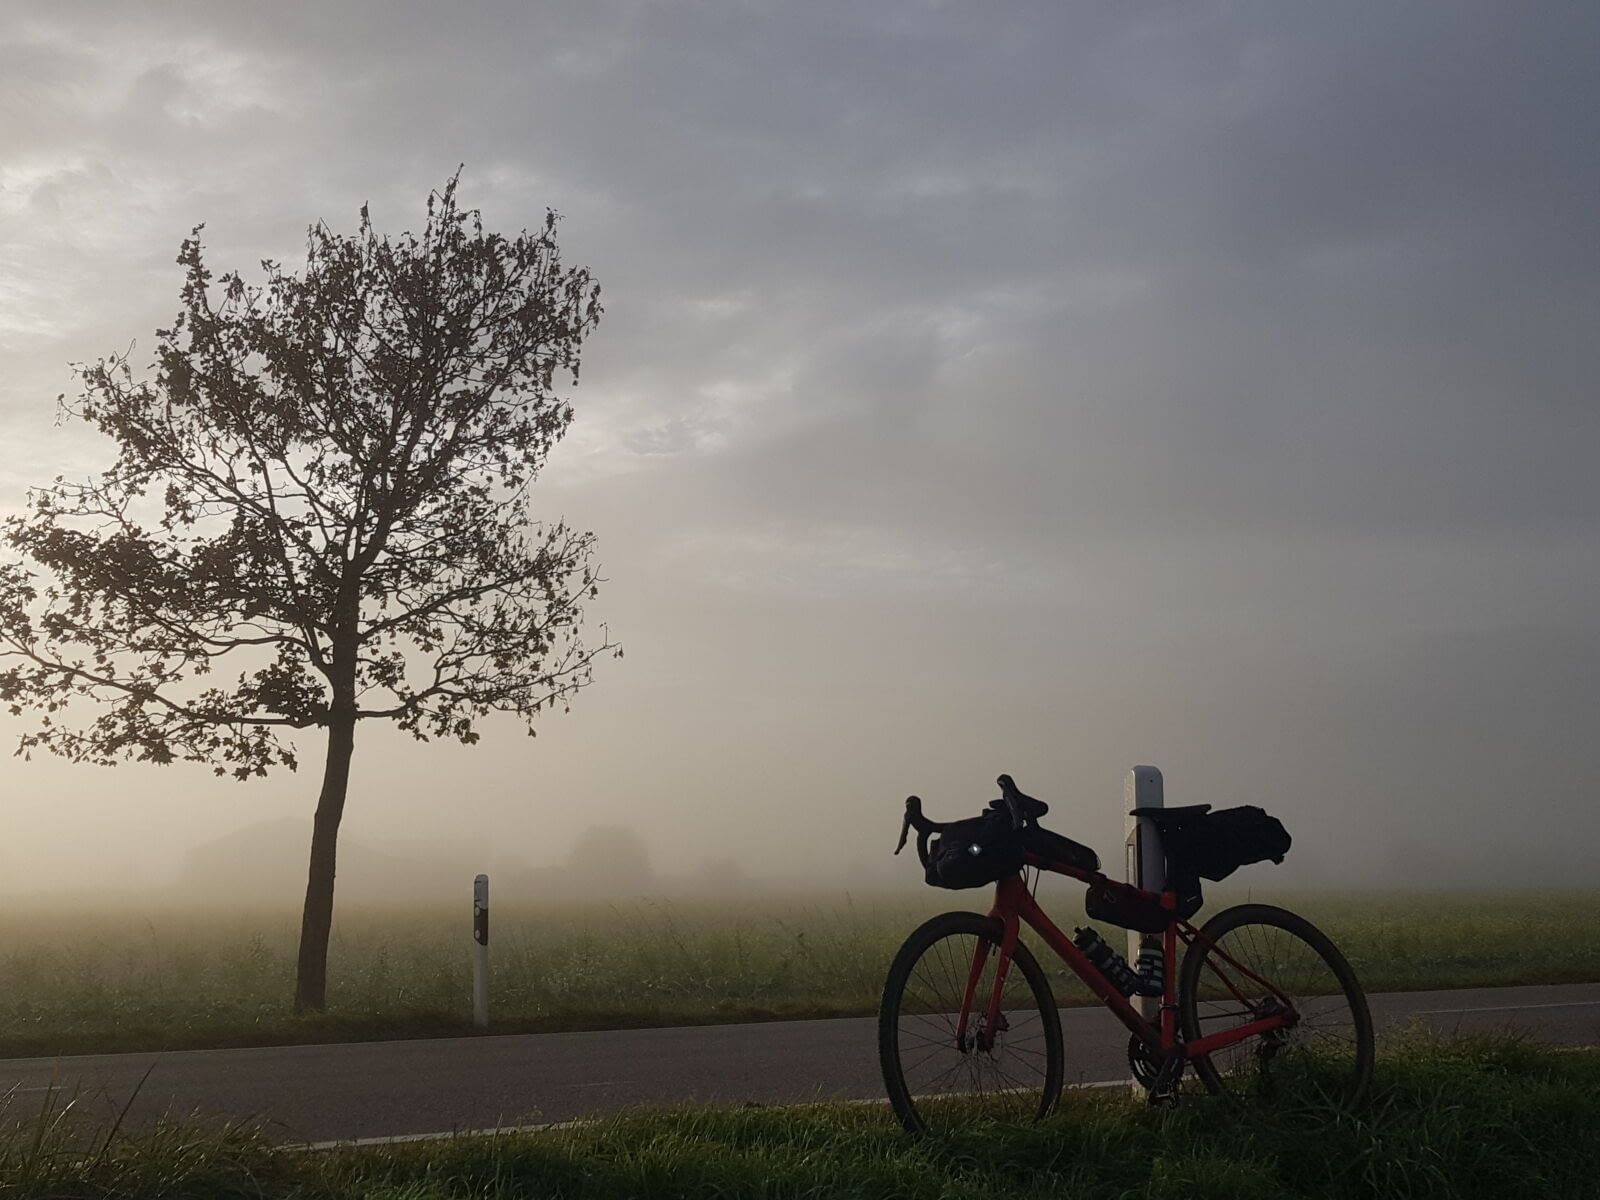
982, 387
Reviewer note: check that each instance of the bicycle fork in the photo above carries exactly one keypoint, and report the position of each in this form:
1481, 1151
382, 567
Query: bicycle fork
993, 1020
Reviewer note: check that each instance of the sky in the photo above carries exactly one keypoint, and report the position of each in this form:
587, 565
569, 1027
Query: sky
1009, 387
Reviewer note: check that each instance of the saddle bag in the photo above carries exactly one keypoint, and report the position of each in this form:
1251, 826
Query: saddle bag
1216, 844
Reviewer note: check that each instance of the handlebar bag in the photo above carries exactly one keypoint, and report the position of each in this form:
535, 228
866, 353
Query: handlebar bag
971, 853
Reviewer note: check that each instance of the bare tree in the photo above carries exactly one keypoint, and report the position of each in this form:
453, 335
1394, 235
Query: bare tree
322, 495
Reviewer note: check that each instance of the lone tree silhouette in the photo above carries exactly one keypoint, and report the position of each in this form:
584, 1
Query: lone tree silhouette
322, 493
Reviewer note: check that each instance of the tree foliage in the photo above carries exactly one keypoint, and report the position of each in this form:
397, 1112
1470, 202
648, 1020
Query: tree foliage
318, 511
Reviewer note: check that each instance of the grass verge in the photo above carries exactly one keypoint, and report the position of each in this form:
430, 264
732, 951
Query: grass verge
1460, 1119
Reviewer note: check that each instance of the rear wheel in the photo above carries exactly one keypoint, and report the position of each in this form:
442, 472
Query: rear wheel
1325, 1055
940, 1077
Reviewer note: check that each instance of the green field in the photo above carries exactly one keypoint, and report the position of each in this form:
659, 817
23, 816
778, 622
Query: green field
1446, 1121
78, 982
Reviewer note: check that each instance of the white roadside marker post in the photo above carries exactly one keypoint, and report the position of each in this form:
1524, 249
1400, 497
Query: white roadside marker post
1146, 865
480, 951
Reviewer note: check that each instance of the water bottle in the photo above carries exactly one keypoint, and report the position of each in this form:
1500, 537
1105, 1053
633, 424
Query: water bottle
1151, 967
1112, 965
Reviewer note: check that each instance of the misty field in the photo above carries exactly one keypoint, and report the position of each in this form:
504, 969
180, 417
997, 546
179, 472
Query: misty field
78, 982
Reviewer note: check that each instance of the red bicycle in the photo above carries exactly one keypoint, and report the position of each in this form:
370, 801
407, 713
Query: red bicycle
1262, 1003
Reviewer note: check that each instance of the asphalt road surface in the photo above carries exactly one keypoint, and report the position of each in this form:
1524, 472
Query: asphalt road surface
381, 1089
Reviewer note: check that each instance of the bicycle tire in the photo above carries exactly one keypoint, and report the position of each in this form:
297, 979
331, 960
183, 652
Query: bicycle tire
1327, 1055
933, 1092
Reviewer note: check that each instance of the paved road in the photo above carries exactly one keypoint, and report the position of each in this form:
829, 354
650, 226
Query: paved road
374, 1089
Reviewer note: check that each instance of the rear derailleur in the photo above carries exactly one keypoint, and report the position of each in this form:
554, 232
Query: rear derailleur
1269, 1043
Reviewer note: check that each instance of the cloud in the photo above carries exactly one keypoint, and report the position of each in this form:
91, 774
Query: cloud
994, 348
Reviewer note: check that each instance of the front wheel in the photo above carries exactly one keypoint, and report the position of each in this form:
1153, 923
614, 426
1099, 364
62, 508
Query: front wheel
940, 1076
1253, 961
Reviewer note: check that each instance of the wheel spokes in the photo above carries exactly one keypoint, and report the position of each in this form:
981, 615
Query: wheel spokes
998, 1071
1268, 967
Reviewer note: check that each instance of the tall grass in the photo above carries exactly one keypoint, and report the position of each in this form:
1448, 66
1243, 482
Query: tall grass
1457, 1120
83, 982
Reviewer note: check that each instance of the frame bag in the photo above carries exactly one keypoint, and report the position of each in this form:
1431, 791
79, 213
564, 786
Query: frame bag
1054, 848
1118, 904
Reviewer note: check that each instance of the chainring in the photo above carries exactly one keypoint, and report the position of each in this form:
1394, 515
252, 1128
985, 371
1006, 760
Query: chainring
1144, 1068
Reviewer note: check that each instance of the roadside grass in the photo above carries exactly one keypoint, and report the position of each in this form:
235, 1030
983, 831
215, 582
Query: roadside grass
86, 982
1461, 1119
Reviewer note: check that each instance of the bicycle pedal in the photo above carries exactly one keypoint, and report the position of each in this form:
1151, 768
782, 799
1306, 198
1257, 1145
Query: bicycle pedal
1164, 1087
1164, 1098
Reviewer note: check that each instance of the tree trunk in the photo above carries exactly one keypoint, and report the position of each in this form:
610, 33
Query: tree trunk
311, 978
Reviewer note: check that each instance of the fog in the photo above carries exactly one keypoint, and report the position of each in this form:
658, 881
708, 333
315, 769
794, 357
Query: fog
1027, 388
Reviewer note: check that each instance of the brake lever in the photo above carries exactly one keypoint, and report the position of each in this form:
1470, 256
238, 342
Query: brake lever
913, 806
1008, 793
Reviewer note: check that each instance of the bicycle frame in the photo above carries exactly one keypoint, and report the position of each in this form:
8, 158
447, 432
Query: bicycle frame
1014, 905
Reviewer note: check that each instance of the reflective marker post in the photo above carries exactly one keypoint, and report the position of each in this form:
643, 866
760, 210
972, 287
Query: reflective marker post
1146, 865
480, 951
